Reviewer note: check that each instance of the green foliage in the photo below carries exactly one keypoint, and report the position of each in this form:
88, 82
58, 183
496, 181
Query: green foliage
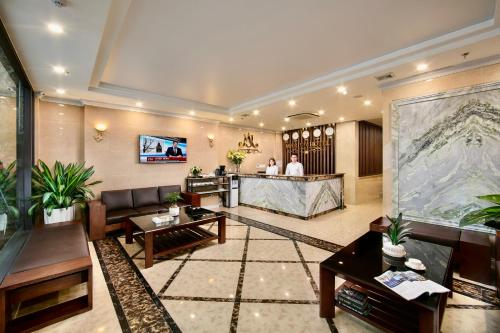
195, 171
489, 216
172, 198
8, 203
398, 231
236, 156
61, 187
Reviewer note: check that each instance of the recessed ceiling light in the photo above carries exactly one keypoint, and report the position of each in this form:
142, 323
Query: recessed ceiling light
59, 69
342, 90
283, 128
55, 28
321, 112
60, 91
255, 112
367, 102
308, 124
138, 104
429, 80
192, 112
3, 97
61, 105
422, 67
287, 119
341, 118
231, 119
261, 124
292, 103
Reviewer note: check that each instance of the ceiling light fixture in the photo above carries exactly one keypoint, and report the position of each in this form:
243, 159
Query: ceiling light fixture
422, 67
341, 118
321, 112
138, 104
61, 105
59, 70
283, 128
231, 119
60, 91
367, 102
287, 119
292, 103
55, 28
261, 124
192, 112
342, 90
308, 124
255, 112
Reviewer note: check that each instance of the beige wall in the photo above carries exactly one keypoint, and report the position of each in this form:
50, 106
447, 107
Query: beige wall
69, 138
346, 157
7, 130
463, 79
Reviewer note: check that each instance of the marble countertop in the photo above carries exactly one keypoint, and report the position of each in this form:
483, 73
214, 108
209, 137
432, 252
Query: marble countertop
306, 178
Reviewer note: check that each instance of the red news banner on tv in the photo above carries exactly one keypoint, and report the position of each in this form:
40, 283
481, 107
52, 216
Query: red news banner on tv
166, 159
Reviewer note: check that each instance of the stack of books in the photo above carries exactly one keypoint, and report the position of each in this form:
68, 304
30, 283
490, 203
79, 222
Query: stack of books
354, 300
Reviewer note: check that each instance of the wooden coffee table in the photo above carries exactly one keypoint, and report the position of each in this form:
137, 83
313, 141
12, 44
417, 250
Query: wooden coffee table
181, 233
362, 260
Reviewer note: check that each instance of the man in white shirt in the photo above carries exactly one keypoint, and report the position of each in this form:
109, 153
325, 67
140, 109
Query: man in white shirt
294, 168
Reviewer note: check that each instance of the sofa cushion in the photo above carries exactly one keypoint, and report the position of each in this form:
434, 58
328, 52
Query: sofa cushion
151, 209
116, 216
119, 199
145, 196
163, 191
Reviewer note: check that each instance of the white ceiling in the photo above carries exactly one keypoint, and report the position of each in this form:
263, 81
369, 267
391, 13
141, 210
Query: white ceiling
224, 58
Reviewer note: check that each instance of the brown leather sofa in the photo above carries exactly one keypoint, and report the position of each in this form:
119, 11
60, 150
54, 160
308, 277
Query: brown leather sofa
111, 211
497, 262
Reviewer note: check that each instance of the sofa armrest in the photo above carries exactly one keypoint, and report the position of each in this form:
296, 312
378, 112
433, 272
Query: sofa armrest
97, 220
193, 199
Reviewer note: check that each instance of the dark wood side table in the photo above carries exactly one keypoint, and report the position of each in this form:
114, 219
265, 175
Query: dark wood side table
53, 259
362, 260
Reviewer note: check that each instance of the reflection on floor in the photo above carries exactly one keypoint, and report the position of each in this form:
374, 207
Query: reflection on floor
263, 279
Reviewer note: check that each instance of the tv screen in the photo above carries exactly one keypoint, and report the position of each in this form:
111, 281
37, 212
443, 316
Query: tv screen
162, 149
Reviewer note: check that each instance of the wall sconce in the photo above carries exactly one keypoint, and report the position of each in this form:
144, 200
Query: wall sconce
211, 139
100, 129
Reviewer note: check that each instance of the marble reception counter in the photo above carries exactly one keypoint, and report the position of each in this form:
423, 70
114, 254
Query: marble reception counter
304, 197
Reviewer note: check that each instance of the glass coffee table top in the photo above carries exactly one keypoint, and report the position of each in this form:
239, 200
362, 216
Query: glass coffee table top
363, 259
187, 216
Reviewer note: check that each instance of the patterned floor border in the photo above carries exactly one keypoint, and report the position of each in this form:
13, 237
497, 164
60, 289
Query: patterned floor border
138, 308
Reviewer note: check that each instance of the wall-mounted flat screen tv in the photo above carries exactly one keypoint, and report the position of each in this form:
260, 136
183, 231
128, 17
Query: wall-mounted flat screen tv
162, 149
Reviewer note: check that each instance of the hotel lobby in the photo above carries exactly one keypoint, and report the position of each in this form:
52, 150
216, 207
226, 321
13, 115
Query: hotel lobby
249, 166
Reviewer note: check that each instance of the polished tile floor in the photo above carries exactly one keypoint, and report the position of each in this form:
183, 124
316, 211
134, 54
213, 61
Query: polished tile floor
263, 279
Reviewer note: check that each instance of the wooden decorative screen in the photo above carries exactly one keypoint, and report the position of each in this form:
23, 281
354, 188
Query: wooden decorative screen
370, 149
317, 154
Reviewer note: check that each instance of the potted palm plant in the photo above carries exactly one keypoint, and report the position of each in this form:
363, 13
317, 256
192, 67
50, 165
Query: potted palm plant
397, 234
7, 195
172, 199
59, 190
489, 216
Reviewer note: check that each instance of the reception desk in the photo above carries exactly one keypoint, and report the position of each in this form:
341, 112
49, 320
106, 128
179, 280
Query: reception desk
303, 197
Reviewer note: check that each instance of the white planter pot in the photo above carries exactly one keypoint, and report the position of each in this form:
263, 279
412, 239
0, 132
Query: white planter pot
173, 211
60, 215
3, 222
397, 251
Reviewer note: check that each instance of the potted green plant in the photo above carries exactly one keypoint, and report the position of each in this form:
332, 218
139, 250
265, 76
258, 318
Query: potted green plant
489, 216
237, 157
8, 206
59, 190
397, 233
196, 171
172, 199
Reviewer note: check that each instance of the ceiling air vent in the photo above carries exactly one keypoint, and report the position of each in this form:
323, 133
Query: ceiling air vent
385, 76
303, 116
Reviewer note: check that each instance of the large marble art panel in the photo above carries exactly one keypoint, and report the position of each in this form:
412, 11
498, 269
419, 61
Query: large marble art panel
447, 151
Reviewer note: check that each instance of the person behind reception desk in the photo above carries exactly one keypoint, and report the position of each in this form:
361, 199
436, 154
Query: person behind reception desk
294, 168
272, 168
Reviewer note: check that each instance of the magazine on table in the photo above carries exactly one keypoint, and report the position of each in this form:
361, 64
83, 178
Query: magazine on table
409, 284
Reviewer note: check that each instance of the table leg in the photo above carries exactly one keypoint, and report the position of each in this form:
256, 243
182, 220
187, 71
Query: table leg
148, 249
428, 321
129, 228
3, 312
326, 293
89, 286
221, 222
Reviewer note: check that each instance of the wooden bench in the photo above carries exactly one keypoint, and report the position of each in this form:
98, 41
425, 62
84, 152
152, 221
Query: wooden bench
54, 258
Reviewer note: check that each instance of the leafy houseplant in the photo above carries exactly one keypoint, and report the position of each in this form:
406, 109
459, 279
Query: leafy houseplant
172, 199
7, 195
489, 216
196, 171
397, 233
57, 191
237, 157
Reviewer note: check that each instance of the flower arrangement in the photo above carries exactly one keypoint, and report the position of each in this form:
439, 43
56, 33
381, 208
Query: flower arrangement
237, 157
195, 171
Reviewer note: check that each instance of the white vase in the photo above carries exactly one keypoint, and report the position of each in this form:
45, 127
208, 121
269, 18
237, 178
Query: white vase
397, 251
59, 215
173, 211
3, 222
